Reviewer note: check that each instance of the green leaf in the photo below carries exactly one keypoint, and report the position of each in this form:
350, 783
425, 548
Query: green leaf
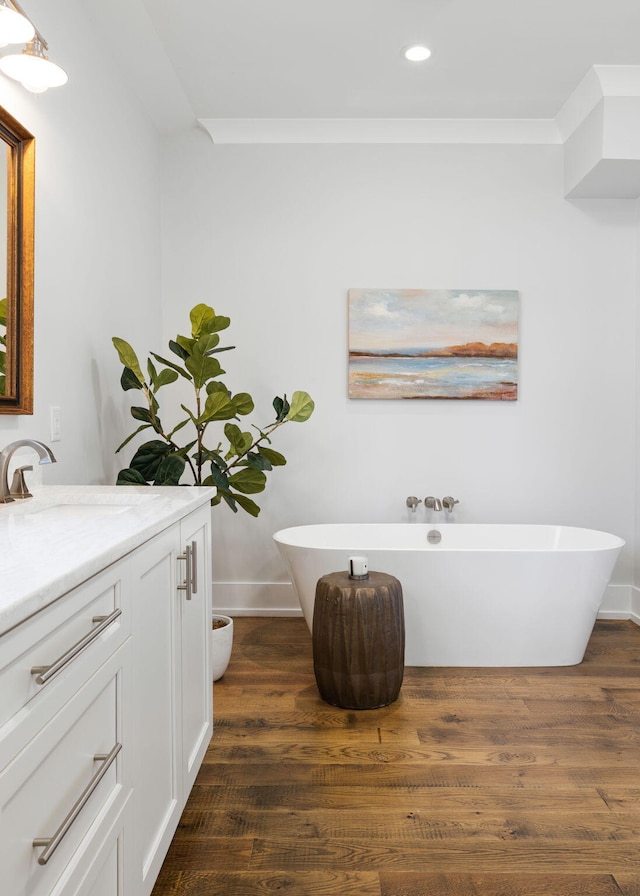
130, 477
178, 350
186, 344
301, 407
247, 504
3, 312
172, 366
143, 414
205, 320
281, 407
218, 386
170, 470
202, 367
199, 315
243, 403
258, 461
217, 407
128, 357
165, 377
248, 481
148, 458
207, 343
133, 434
239, 441
274, 457
222, 348
230, 500
219, 478
177, 428
152, 372
215, 458
129, 380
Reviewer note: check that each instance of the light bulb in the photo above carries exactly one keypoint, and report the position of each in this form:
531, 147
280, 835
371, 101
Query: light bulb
14, 27
416, 53
33, 69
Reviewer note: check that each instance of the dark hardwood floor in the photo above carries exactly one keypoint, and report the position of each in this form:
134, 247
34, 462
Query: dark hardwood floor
475, 782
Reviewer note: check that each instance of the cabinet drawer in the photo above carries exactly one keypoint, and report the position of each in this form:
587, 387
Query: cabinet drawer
67, 784
65, 635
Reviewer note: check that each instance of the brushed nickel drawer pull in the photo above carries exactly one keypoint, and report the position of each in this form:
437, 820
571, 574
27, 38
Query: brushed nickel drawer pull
194, 567
188, 577
44, 673
52, 843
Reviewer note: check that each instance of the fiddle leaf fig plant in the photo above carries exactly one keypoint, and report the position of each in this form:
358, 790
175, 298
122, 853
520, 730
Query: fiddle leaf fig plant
238, 463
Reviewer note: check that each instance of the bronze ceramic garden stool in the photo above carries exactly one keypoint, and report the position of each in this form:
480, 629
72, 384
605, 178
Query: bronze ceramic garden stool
358, 640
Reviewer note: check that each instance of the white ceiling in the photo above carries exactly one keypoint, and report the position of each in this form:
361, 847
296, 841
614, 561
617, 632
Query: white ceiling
341, 59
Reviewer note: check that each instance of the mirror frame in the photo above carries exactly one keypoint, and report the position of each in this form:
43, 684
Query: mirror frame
20, 267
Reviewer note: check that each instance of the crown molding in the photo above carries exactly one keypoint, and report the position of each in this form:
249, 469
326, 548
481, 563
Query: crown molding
380, 130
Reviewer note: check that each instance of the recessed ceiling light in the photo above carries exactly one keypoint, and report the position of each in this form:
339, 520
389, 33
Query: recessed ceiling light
416, 53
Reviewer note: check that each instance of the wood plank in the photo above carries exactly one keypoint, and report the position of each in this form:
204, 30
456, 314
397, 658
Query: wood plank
419, 884
464, 799
298, 883
484, 855
407, 822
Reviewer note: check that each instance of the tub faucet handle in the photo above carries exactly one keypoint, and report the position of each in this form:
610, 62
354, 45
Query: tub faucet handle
448, 503
433, 503
413, 502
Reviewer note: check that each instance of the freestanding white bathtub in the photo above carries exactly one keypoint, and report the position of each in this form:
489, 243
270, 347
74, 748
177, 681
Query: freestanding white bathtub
485, 595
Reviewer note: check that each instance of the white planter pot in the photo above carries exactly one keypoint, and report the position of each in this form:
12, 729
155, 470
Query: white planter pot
221, 644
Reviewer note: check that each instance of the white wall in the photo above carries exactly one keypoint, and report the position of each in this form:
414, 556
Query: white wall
276, 235
636, 544
97, 245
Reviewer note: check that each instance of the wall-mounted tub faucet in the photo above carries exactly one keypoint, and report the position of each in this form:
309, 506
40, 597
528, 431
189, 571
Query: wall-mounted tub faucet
46, 457
413, 502
433, 503
449, 503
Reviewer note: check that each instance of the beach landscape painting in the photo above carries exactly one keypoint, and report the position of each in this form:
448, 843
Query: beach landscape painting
433, 343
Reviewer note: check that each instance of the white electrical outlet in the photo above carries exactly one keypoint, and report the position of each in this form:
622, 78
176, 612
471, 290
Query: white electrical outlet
55, 424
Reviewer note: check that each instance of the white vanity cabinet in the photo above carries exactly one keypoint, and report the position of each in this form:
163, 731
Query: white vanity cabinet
106, 711
172, 687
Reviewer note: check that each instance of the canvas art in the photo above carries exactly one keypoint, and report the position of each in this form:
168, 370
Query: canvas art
433, 343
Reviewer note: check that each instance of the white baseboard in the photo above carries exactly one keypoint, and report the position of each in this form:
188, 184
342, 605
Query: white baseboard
256, 599
621, 602
280, 599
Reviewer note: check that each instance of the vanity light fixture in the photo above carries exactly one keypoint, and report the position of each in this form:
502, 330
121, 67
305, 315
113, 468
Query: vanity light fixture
32, 67
14, 27
416, 53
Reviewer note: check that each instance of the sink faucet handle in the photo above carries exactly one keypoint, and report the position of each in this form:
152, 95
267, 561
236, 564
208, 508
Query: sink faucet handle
19, 486
413, 502
448, 503
44, 453
433, 503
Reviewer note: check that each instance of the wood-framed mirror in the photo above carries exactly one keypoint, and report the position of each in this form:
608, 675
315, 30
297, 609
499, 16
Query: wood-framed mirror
16, 267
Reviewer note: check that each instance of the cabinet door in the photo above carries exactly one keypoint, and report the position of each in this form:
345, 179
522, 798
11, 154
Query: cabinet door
196, 689
155, 620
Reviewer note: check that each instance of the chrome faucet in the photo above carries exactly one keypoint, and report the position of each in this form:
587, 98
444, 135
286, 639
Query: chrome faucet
18, 489
433, 503
413, 502
449, 503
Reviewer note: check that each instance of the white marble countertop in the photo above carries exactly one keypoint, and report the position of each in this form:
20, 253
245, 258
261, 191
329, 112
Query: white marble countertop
65, 534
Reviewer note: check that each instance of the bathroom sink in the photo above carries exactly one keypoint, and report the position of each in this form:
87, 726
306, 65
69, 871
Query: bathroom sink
78, 511
78, 505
